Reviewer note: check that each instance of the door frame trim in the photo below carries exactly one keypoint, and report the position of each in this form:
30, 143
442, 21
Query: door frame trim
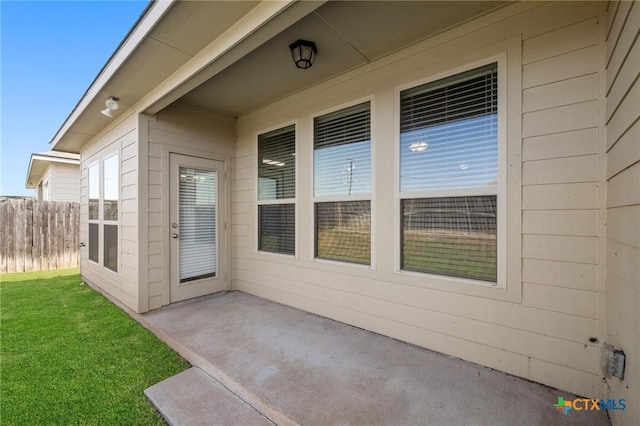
166, 150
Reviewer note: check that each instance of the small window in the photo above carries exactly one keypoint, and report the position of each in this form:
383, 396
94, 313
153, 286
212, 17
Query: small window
276, 228
448, 175
342, 184
111, 188
111, 247
94, 192
111, 196
94, 211
93, 241
277, 191
45, 191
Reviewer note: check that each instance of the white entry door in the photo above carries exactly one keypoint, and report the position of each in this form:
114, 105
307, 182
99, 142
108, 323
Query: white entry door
197, 227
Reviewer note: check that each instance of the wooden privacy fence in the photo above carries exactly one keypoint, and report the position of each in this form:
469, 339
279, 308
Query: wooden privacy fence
38, 235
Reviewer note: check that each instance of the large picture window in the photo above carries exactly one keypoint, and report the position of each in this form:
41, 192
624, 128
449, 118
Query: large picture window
342, 184
448, 175
277, 191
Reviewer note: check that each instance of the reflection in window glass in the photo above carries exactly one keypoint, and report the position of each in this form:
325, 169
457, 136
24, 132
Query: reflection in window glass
450, 236
111, 247
277, 164
449, 141
277, 228
94, 192
343, 231
93, 242
111, 188
449, 133
342, 152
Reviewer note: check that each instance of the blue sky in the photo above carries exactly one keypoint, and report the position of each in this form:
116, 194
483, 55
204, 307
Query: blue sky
51, 52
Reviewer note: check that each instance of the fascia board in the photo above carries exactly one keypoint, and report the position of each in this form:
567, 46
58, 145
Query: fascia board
150, 18
38, 163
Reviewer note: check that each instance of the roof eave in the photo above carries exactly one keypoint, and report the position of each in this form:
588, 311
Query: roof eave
40, 158
145, 23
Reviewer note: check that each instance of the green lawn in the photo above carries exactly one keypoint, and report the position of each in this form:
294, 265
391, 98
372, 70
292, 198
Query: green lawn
69, 356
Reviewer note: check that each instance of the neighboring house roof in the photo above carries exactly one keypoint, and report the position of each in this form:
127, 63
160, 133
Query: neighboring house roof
238, 51
41, 160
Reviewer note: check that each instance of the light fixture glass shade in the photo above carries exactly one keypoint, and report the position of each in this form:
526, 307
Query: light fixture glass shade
303, 53
112, 103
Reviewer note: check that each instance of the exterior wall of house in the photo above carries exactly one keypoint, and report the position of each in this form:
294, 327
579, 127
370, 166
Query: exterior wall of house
180, 130
64, 184
539, 327
44, 191
622, 289
121, 138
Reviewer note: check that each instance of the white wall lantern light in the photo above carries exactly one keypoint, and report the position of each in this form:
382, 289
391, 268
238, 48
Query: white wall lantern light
303, 53
111, 105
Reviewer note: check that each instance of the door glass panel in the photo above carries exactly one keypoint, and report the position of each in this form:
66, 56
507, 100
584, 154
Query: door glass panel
198, 244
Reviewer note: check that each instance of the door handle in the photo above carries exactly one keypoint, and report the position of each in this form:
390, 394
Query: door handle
174, 235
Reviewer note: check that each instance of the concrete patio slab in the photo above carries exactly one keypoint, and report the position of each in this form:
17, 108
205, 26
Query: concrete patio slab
299, 368
194, 398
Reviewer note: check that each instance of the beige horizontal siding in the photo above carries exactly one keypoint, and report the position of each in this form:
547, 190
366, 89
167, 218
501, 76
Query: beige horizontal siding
561, 170
565, 196
560, 119
122, 138
64, 183
583, 303
565, 92
625, 153
556, 273
562, 67
180, 130
561, 222
559, 145
538, 335
622, 282
561, 41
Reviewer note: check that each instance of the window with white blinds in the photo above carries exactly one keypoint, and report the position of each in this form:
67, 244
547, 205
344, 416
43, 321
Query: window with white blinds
342, 152
198, 223
277, 191
277, 228
342, 184
449, 175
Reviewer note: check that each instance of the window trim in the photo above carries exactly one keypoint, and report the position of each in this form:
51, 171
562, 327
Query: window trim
104, 222
46, 190
98, 160
500, 189
370, 196
97, 221
257, 202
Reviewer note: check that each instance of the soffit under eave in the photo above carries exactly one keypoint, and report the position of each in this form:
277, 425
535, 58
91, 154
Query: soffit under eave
348, 35
34, 174
172, 42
